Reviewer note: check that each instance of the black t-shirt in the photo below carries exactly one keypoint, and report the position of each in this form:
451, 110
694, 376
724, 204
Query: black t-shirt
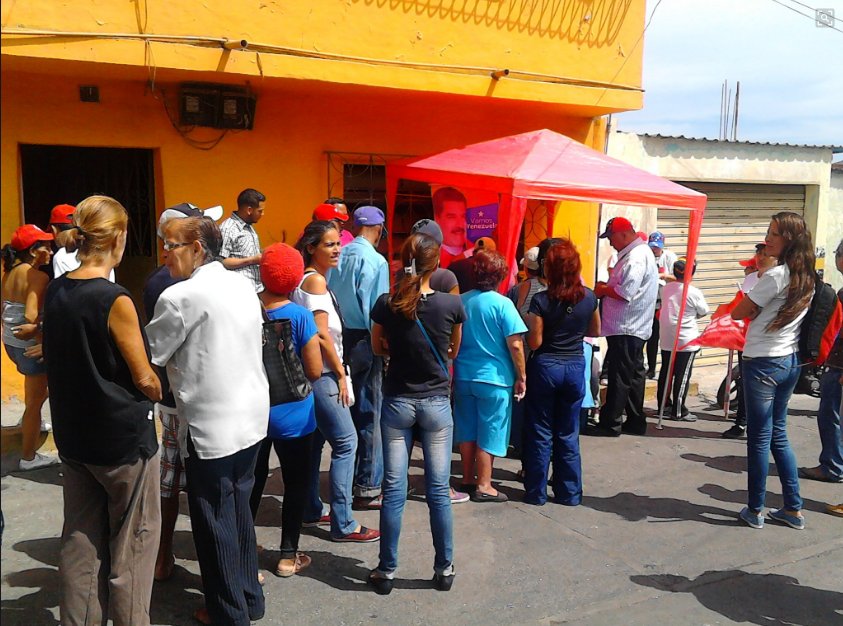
413, 368
443, 280
464, 271
564, 325
99, 416
155, 285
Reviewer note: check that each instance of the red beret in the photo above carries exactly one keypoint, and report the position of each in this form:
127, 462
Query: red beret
282, 268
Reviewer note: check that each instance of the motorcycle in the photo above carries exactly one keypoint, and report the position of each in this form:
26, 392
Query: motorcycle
808, 384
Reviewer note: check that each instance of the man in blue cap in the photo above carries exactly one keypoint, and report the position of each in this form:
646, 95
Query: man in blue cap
664, 263
359, 279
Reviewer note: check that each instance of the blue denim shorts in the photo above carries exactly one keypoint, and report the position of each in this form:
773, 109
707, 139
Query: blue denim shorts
26, 365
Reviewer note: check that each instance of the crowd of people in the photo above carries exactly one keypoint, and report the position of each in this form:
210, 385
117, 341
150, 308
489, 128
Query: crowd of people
442, 359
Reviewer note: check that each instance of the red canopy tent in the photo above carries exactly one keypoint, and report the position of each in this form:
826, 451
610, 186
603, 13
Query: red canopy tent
544, 165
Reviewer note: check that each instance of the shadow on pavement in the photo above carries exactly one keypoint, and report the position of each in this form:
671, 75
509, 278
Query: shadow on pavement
32, 609
340, 572
670, 430
729, 463
754, 598
52, 475
635, 508
740, 496
175, 599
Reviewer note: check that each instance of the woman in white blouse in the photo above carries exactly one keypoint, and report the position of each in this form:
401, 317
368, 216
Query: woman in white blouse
320, 247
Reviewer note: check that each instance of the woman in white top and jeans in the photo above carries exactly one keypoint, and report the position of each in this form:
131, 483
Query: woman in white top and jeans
776, 306
320, 247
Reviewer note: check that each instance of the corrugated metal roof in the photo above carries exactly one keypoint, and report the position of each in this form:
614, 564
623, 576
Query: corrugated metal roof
835, 149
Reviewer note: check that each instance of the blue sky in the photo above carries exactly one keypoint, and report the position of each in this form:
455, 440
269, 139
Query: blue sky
790, 70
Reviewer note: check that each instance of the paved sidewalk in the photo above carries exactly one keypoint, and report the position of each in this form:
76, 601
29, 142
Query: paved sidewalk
656, 541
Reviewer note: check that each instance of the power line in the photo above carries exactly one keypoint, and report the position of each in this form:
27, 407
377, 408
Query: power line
631, 52
813, 18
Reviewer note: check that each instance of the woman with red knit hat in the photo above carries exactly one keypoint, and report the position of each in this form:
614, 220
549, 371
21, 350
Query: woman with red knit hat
291, 425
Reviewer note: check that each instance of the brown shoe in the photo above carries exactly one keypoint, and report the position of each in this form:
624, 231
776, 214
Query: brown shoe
289, 567
835, 509
818, 473
360, 503
364, 535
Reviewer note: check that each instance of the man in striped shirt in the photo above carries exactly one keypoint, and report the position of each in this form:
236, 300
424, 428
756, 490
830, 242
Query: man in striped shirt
241, 248
629, 303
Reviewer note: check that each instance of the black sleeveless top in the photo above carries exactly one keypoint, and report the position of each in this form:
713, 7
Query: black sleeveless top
99, 416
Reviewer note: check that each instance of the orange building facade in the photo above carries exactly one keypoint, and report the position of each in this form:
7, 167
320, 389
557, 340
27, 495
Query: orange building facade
93, 94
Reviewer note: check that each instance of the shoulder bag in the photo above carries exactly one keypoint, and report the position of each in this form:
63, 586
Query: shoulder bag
287, 382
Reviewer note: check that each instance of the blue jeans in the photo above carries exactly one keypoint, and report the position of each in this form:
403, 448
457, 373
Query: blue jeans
828, 422
554, 396
436, 426
768, 384
367, 381
334, 424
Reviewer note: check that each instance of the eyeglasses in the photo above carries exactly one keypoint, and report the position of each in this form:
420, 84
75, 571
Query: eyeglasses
169, 246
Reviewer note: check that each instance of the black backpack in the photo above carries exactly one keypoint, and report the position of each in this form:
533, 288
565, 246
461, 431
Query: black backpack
821, 324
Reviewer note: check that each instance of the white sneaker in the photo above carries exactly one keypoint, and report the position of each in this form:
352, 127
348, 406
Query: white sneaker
46, 427
38, 461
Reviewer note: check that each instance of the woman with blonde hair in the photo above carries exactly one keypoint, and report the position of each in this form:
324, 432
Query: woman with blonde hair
102, 389
24, 285
420, 330
776, 305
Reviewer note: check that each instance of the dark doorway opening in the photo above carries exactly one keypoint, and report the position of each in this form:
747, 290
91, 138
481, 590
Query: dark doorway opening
67, 174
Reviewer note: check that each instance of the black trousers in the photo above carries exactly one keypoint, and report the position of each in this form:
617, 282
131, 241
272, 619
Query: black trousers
740, 418
653, 347
625, 388
679, 384
218, 492
295, 458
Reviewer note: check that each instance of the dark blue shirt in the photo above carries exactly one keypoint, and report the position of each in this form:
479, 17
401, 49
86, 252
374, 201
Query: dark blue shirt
564, 325
155, 285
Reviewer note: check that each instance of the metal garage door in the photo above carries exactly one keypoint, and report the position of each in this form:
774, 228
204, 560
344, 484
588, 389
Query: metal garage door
736, 218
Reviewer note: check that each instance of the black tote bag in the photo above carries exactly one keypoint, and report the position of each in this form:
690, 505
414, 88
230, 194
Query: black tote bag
287, 382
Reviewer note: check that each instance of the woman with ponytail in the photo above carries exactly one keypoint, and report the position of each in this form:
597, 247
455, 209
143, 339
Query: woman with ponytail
24, 286
776, 307
420, 330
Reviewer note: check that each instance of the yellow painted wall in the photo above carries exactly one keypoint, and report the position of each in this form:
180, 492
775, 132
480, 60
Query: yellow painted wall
555, 49
284, 156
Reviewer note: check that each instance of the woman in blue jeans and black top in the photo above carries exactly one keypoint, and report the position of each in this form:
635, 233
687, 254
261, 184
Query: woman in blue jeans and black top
320, 247
559, 318
776, 306
420, 330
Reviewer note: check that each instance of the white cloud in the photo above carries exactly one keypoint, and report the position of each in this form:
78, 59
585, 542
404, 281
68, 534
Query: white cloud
789, 69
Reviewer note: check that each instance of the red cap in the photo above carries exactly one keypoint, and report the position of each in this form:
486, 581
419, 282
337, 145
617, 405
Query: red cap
642, 235
748, 262
329, 212
28, 235
282, 268
61, 214
618, 225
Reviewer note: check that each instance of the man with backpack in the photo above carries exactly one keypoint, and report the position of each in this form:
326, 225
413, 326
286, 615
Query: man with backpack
830, 468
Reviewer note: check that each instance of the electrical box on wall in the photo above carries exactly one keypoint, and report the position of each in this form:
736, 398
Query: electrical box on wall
216, 106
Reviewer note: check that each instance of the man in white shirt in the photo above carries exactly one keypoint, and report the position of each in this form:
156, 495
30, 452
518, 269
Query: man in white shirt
695, 308
629, 303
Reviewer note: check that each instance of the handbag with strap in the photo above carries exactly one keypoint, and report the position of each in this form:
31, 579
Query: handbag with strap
287, 381
433, 348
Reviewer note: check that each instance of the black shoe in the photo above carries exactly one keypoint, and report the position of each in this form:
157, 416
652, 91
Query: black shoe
382, 586
633, 431
479, 496
600, 431
442, 582
651, 375
735, 432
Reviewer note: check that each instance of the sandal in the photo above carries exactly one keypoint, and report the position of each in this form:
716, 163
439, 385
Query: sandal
289, 567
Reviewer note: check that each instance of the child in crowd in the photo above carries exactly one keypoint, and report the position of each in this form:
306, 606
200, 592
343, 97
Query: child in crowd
695, 308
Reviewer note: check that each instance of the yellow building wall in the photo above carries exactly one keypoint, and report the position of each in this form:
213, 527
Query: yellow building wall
577, 52
284, 156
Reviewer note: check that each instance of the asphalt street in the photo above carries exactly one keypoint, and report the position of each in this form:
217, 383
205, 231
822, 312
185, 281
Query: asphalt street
656, 541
